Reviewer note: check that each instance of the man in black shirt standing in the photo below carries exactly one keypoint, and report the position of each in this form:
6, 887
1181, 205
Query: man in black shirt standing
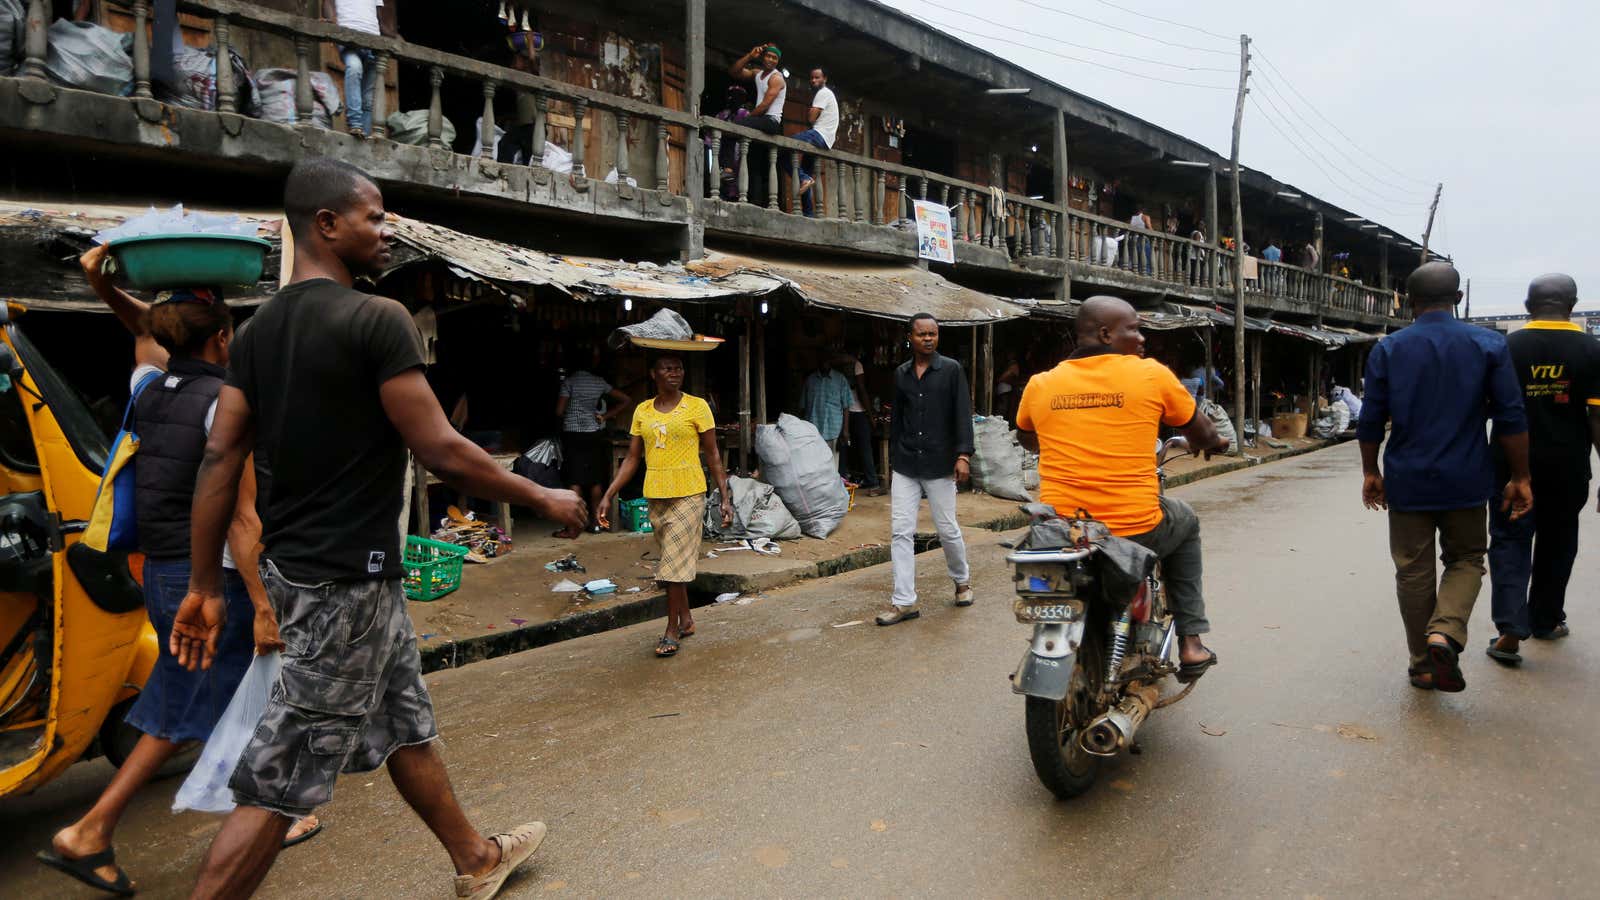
1530, 559
930, 447
328, 384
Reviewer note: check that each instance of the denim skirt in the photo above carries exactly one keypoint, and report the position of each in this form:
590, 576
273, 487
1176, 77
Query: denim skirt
177, 704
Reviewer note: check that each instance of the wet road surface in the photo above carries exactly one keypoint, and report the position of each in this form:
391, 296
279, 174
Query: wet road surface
782, 755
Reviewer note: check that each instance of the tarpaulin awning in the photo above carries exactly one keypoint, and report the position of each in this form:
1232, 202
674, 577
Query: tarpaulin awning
886, 291
580, 277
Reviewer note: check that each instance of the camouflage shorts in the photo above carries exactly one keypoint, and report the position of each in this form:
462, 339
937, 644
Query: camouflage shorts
351, 692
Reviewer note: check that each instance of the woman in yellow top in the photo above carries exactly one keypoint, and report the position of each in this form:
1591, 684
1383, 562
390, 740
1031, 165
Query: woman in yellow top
670, 431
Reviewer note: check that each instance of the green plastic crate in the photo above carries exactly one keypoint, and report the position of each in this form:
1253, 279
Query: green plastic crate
155, 261
432, 568
636, 515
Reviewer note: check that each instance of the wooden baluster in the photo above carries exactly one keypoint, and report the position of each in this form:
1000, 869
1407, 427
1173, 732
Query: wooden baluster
922, 187
859, 174
772, 177
944, 195
380, 96
744, 170
621, 163
796, 206
902, 207
486, 127
961, 214
580, 113
305, 100
227, 94
36, 41
663, 158
141, 49
841, 190
541, 110
435, 109
716, 164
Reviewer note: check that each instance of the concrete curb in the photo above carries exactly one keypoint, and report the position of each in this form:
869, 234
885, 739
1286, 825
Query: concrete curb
452, 654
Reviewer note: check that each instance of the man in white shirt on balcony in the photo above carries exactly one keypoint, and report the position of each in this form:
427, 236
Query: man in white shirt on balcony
824, 118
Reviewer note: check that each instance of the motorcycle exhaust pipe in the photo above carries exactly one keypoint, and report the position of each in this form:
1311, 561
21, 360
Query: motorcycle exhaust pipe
1113, 731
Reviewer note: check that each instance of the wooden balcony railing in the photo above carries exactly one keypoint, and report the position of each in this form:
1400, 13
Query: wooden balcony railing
1155, 255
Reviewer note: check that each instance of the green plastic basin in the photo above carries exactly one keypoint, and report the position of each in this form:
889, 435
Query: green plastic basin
155, 261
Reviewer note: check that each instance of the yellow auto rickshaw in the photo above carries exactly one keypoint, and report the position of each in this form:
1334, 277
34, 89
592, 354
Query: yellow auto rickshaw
75, 643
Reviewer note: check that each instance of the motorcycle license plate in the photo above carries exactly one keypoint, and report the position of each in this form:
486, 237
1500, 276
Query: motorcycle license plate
1034, 612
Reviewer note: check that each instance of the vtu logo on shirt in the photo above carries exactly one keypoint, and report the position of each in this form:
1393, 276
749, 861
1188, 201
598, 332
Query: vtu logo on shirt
375, 562
1551, 372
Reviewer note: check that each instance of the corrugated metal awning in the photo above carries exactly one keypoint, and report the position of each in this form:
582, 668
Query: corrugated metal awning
582, 277
886, 291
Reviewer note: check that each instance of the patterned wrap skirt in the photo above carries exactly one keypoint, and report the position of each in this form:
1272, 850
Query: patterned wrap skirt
677, 522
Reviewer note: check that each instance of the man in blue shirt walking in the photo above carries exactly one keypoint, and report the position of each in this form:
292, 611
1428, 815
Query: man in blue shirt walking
1437, 382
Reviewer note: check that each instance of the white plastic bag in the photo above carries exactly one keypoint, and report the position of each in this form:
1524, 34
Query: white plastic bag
556, 158
206, 789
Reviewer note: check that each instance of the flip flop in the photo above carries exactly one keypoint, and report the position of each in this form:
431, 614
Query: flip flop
686, 632
1191, 672
1503, 657
1554, 634
315, 830
83, 870
1447, 675
666, 647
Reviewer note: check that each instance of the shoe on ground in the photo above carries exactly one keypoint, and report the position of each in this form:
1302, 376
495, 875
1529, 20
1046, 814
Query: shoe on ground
1554, 634
516, 846
1422, 679
898, 614
964, 596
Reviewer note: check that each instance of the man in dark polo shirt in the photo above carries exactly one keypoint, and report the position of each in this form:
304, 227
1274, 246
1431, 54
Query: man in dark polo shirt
1530, 559
1437, 382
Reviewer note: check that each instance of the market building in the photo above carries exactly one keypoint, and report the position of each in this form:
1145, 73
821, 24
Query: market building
563, 169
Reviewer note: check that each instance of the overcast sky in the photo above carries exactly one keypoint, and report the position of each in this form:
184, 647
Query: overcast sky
1499, 101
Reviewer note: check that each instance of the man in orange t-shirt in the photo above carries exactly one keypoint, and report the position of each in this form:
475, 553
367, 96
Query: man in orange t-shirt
1095, 421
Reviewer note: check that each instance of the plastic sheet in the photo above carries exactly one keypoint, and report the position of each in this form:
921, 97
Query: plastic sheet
177, 221
796, 461
206, 789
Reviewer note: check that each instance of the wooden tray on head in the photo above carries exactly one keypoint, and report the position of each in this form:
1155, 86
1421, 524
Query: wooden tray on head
698, 343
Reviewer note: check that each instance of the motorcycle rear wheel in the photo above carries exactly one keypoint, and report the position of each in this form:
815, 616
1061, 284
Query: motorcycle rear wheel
1053, 726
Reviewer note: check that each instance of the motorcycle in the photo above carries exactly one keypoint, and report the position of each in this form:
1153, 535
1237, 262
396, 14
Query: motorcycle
1100, 650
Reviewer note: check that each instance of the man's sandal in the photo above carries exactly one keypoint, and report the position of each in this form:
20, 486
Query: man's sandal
666, 647
515, 848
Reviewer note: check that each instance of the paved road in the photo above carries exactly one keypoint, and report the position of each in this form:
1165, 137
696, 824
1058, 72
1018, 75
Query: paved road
780, 755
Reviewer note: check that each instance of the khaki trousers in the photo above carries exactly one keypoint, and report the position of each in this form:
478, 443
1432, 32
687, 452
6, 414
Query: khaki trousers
1443, 605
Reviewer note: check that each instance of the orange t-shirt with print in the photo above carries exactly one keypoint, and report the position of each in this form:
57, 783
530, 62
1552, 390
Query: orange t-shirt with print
1098, 419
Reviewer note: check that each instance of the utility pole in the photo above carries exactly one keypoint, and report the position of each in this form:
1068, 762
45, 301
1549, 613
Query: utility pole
1469, 299
1238, 248
1428, 232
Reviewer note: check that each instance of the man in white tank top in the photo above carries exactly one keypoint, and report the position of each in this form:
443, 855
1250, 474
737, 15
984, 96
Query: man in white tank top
760, 66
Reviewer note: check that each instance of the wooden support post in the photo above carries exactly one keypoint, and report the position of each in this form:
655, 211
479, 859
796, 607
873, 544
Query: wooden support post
1238, 230
988, 369
435, 109
664, 160
1213, 230
1255, 385
36, 40
694, 156
1063, 198
761, 370
141, 50
227, 100
541, 112
486, 126
304, 98
1383, 263
746, 431
972, 372
380, 96
882, 216
1205, 386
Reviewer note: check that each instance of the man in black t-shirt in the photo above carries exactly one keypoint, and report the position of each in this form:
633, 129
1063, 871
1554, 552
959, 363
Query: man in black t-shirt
1531, 559
328, 384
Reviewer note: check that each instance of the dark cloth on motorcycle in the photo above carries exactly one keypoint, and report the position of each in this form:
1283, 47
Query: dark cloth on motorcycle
1127, 564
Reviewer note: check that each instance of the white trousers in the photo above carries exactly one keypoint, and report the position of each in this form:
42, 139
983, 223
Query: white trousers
905, 496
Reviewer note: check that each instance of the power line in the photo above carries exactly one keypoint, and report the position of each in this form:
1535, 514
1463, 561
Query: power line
1143, 59
1293, 143
1225, 37
1095, 63
1335, 127
1345, 176
1138, 34
1272, 85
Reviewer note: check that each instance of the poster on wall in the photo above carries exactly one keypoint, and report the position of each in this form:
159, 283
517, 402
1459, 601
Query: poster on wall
933, 232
